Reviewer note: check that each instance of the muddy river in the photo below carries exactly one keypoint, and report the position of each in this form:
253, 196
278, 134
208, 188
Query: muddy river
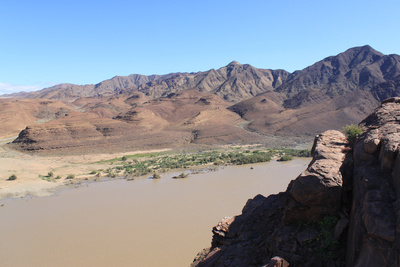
140, 223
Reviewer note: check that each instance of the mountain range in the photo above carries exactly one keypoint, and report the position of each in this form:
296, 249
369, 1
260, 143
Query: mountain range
237, 103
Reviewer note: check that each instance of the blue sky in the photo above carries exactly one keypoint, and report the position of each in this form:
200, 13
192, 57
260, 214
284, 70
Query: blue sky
49, 42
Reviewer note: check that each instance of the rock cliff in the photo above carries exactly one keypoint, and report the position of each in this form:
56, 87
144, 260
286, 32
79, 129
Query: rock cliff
374, 238
343, 210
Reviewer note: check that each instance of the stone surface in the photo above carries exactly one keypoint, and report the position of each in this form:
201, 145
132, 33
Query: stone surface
277, 262
317, 191
375, 215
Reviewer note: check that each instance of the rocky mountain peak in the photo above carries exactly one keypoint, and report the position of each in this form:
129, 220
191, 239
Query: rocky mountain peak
358, 68
234, 63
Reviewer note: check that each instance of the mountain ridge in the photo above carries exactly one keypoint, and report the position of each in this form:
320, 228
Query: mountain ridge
233, 82
329, 94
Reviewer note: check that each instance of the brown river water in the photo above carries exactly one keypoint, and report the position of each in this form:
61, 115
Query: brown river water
140, 223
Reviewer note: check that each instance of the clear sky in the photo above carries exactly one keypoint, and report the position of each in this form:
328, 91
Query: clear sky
47, 42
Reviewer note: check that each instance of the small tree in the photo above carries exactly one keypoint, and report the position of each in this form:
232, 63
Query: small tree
351, 131
12, 177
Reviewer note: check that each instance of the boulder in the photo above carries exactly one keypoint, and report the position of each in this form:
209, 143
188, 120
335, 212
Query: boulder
277, 262
317, 191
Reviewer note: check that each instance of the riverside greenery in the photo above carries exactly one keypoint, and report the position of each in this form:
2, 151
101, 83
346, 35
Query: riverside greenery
143, 164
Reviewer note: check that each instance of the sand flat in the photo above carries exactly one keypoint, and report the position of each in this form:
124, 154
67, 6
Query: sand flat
28, 167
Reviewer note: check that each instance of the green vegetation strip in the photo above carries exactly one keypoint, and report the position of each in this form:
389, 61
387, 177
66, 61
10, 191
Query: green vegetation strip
143, 164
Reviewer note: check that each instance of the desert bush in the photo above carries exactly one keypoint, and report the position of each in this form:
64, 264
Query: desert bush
50, 174
285, 158
70, 176
218, 162
12, 177
351, 131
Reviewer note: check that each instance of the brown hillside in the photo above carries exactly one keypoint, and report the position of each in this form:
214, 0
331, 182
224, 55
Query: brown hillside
180, 119
16, 114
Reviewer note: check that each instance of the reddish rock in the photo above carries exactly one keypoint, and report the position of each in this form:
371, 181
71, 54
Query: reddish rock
375, 215
317, 191
277, 262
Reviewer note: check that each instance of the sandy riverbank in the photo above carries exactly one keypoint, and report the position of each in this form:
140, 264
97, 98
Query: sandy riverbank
27, 168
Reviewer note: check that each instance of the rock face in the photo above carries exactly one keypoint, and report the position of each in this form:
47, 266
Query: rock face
317, 192
357, 193
374, 238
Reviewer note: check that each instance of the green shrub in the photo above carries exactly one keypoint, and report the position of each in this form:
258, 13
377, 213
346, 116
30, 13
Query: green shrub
12, 177
218, 162
71, 176
285, 158
156, 175
351, 131
50, 174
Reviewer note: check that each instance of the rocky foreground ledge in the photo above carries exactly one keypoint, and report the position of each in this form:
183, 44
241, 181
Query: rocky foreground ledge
343, 210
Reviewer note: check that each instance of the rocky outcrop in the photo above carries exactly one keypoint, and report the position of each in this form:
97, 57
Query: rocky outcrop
317, 192
344, 210
374, 238
260, 232
277, 262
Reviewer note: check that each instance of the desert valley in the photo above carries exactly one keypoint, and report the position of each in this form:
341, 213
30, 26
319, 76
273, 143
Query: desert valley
131, 128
